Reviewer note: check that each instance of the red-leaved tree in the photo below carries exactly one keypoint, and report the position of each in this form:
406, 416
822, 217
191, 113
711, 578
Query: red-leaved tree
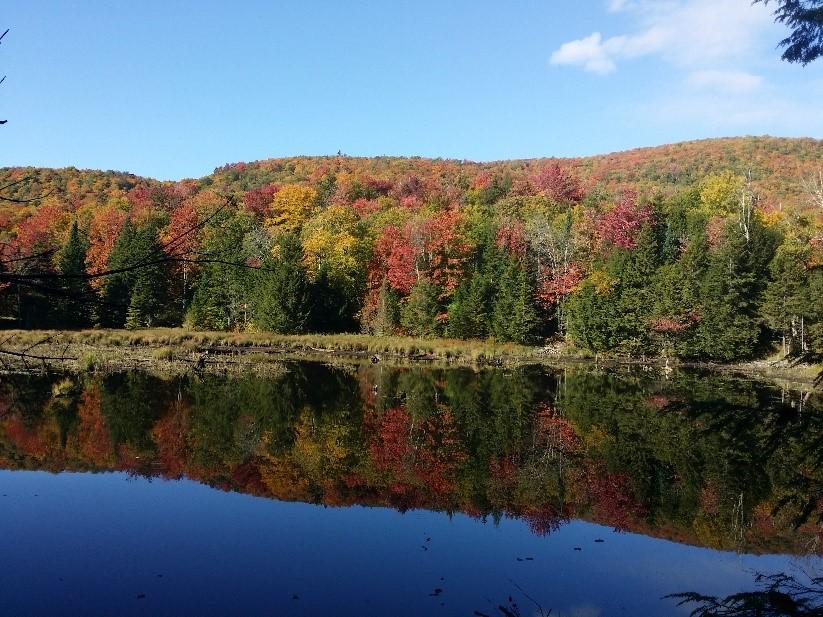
621, 225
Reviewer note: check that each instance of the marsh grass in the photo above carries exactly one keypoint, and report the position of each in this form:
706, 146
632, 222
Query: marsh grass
166, 342
89, 361
163, 353
177, 350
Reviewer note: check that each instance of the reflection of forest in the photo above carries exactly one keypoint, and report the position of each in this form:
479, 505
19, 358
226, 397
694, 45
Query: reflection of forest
700, 459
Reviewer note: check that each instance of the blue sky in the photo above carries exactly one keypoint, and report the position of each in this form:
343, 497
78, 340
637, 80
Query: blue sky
173, 89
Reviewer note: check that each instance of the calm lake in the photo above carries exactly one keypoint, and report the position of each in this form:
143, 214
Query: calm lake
369, 490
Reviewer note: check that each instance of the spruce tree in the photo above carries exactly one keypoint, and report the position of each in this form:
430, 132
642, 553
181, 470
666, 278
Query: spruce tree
786, 303
419, 314
387, 315
470, 311
514, 317
472, 308
591, 313
814, 310
730, 294
635, 269
76, 295
282, 295
148, 297
222, 288
117, 287
676, 299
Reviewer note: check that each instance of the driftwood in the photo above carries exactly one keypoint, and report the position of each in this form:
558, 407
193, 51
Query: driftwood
29, 356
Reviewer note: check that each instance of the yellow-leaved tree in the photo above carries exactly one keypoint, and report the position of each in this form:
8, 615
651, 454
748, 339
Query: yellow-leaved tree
720, 193
291, 207
333, 239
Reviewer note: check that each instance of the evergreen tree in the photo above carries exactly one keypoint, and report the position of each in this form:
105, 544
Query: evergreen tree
76, 295
814, 310
676, 224
222, 289
590, 317
730, 293
387, 315
786, 303
116, 291
676, 299
149, 291
282, 295
420, 313
635, 269
471, 309
335, 301
612, 309
35, 307
514, 316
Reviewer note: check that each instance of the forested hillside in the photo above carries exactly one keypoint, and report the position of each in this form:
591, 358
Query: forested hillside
707, 249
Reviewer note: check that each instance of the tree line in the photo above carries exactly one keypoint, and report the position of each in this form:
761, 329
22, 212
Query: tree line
710, 271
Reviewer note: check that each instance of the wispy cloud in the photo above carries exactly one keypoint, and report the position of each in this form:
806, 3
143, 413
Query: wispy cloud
715, 55
717, 112
587, 52
727, 81
686, 33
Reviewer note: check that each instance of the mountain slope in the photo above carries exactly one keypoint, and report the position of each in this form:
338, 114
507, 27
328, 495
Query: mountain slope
777, 165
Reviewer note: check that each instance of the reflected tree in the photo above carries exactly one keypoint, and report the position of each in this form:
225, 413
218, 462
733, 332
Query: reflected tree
779, 595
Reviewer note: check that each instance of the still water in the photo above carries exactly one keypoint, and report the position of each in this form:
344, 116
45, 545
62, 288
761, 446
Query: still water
367, 490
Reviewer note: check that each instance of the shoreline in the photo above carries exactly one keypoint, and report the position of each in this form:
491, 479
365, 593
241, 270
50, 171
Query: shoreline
179, 350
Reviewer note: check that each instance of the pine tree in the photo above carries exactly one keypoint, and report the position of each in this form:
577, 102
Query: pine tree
76, 295
786, 300
514, 317
387, 314
471, 310
282, 294
420, 313
730, 294
148, 298
117, 287
222, 288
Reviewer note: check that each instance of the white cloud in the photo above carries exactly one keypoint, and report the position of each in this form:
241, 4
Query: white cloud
724, 81
615, 6
687, 33
713, 55
717, 112
765, 109
587, 52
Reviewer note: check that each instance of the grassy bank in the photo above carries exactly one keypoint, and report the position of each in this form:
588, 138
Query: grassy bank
177, 349
173, 341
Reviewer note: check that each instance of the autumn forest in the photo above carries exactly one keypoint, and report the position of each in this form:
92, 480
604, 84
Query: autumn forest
710, 249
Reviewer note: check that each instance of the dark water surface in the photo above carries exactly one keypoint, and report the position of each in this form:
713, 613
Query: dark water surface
365, 490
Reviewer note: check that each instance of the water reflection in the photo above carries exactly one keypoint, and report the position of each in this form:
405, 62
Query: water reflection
699, 459
777, 595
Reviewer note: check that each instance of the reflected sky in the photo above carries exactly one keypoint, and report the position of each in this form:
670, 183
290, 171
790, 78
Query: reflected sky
111, 543
371, 490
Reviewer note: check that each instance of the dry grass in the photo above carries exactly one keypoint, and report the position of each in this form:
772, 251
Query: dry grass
177, 349
167, 342
89, 352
